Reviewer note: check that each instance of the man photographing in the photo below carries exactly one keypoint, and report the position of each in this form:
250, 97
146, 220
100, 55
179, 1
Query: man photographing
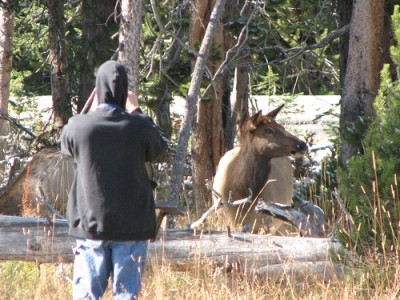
111, 208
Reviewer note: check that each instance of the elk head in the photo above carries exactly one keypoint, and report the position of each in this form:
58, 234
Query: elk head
265, 136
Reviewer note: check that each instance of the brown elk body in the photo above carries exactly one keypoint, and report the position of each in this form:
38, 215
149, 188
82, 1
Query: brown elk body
47, 177
49, 171
259, 164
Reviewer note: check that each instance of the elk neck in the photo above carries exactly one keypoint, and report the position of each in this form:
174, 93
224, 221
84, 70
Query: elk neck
254, 168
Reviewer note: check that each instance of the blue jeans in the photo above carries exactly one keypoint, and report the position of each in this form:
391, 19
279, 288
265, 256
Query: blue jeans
96, 261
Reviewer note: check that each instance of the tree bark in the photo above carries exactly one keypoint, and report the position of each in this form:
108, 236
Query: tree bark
6, 33
89, 45
389, 39
228, 116
165, 87
345, 8
239, 109
129, 40
191, 104
208, 138
99, 24
362, 75
58, 59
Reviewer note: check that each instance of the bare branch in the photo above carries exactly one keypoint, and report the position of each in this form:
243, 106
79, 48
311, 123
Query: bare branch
217, 204
210, 211
192, 97
300, 50
76, 13
18, 125
247, 200
42, 200
233, 52
164, 30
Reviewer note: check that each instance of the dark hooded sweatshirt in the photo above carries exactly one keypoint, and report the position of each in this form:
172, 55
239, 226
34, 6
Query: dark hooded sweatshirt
111, 196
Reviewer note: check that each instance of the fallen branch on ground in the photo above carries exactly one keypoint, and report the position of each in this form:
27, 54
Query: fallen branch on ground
308, 218
35, 239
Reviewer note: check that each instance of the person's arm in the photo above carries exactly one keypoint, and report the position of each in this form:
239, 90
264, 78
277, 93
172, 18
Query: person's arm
95, 102
91, 103
132, 103
131, 106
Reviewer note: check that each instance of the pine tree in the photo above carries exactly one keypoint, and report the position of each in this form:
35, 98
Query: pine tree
369, 184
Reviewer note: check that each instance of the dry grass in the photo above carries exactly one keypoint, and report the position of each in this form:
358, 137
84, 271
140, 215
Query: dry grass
21, 280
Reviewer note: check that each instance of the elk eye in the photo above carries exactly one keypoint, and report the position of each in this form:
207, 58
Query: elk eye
269, 131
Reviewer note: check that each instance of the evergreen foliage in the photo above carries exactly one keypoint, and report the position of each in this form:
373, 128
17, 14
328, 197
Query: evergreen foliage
369, 184
280, 29
31, 66
275, 27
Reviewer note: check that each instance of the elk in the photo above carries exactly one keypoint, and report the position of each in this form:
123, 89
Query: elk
46, 177
258, 165
48, 174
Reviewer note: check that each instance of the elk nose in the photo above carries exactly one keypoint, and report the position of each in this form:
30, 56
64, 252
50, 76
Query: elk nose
302, 147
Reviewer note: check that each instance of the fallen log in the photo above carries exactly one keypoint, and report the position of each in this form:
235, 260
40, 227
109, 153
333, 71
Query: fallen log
35, 239
44, 241
254, 254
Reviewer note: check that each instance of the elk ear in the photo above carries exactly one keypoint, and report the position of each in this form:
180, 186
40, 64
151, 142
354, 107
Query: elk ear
273, 113
255, 120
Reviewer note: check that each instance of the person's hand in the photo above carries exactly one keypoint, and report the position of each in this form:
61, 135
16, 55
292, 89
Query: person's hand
132, 102
95, 102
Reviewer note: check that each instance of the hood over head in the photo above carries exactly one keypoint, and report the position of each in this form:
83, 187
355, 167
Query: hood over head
112, 83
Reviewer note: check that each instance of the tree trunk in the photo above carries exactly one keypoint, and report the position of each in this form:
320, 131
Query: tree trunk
164, 90
99, 24
344, 8
129, 40
228, 116
58, 59
362, 75
6, 33
193, 95
208, 140
389, 39
239, 108
89, 45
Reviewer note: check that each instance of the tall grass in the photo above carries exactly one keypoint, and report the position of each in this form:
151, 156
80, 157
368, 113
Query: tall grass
367, 280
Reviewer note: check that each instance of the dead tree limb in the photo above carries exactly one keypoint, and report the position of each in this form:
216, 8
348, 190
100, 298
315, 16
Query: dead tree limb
51, 211
308, 218
191, 104
300, 50
211, 210
218, 203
